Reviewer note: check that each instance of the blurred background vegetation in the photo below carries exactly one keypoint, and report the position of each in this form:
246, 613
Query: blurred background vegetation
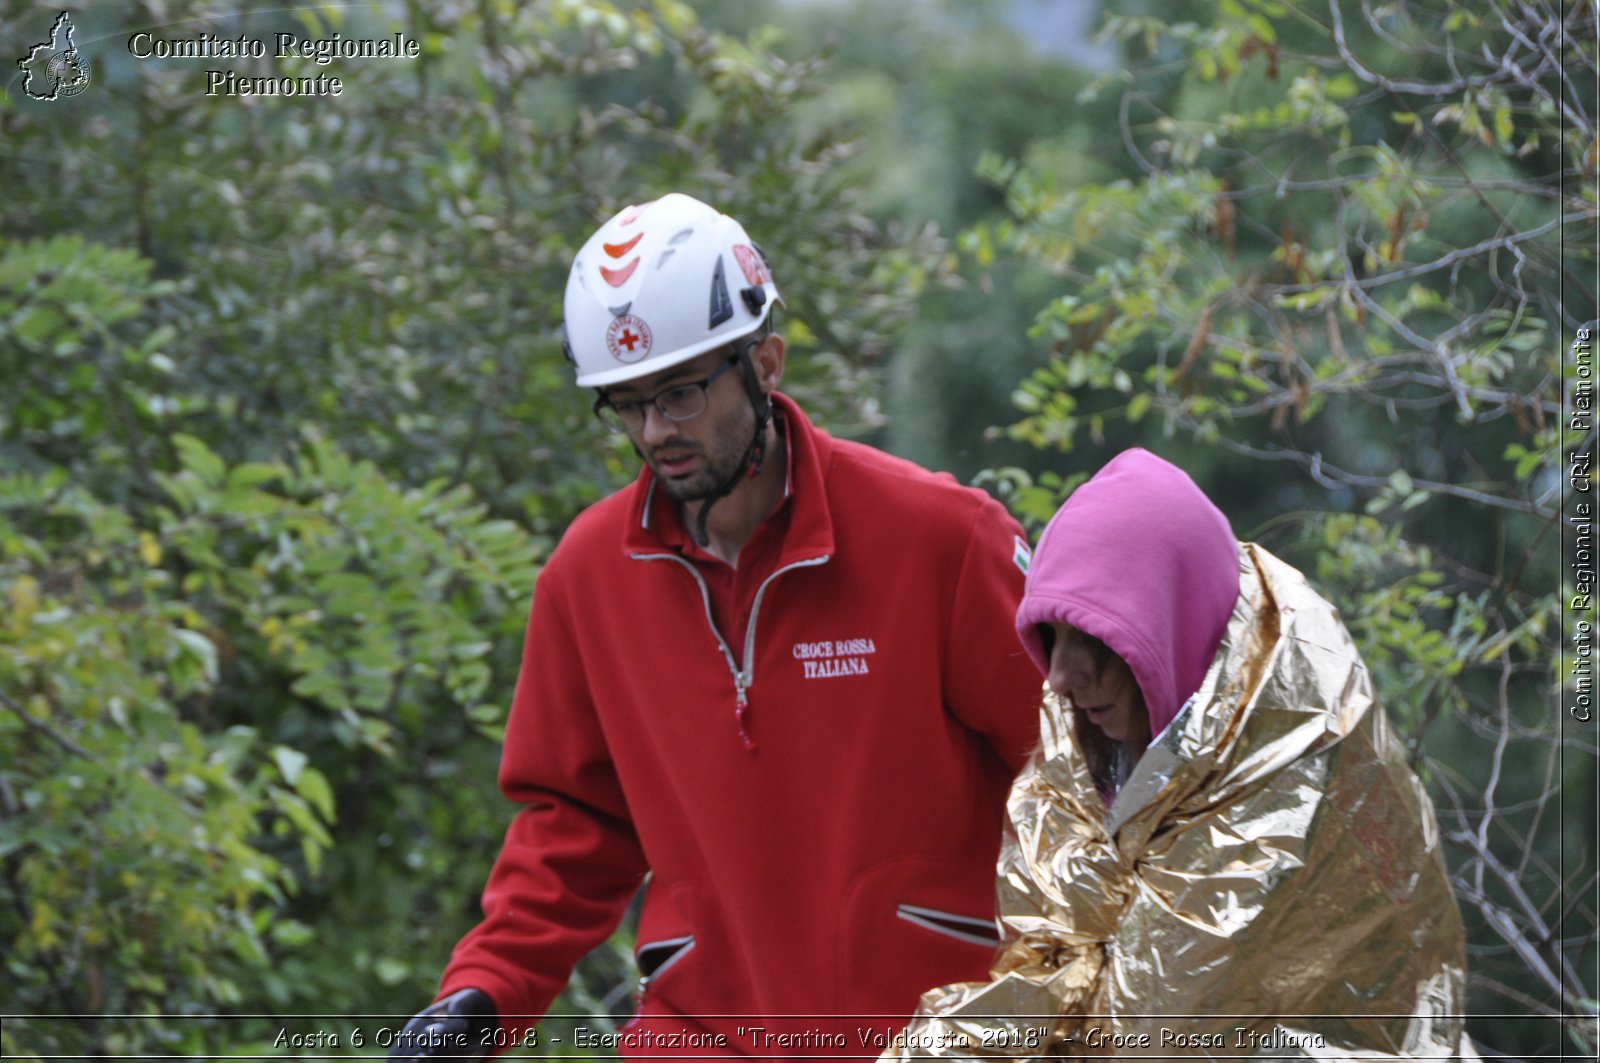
285, 430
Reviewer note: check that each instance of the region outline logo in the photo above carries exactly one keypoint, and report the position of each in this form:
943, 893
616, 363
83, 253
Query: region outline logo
55, 69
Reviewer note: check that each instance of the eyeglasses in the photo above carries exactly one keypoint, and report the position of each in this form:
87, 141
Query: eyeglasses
680, 402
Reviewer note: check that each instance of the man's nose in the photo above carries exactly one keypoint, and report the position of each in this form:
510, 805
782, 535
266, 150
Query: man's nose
657, 427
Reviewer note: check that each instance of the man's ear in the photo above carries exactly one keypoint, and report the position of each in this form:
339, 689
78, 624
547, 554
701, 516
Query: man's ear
768, 358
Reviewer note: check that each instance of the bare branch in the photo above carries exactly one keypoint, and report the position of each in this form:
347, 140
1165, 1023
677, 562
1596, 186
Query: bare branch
1569, 981
1371, 77
40, 727
1501, 989
1451, 260
1550, 790
1497, 763
1127, 134
1330, 476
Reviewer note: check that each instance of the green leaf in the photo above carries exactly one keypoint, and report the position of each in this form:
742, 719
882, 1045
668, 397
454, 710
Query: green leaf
199, 459
391, 972
251, 473
313, 786
291, 762
201, 648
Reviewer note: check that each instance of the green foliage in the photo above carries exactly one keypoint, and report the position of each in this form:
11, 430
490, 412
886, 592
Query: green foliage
1349, 254
1390, 593
129, 830
158, 814
932, 89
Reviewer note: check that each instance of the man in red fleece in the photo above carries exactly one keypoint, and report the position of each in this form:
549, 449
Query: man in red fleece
775, 676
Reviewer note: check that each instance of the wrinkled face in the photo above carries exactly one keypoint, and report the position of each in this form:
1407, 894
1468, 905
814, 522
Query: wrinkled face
692, 458
1099, 683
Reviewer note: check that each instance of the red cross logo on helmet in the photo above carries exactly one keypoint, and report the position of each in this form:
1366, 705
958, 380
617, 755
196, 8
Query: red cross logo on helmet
628, 338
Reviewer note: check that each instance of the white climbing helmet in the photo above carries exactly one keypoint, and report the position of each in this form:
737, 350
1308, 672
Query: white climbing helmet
658, 284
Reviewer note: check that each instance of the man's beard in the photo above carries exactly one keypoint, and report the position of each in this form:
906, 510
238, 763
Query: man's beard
718, 466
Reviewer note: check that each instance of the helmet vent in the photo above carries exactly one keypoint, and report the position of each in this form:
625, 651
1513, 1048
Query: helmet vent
721, 304
672, 245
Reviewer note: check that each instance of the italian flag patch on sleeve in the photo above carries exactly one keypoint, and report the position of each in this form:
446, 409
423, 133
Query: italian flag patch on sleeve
1020, 554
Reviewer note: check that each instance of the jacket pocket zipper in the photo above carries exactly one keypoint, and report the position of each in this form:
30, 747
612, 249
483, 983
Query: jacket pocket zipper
656, 958
961, 927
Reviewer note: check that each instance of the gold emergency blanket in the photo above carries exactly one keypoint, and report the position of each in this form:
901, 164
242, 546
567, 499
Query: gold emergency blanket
1268, 883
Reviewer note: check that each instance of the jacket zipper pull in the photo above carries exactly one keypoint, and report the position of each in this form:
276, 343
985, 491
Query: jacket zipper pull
741, 686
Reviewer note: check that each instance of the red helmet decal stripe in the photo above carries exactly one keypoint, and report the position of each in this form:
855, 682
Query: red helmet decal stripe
618, 250
618, 277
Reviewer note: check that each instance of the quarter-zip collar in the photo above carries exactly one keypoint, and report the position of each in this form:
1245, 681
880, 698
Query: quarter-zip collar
655, 533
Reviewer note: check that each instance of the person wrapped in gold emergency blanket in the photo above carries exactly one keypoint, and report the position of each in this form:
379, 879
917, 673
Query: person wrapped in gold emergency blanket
1219, 849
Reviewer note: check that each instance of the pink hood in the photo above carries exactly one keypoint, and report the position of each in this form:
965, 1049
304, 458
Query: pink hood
1141, 559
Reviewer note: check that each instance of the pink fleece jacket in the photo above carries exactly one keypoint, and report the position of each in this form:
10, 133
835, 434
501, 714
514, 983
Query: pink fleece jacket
1141, 559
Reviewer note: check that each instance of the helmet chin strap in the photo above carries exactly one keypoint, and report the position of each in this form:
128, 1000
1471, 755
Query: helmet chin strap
754, 455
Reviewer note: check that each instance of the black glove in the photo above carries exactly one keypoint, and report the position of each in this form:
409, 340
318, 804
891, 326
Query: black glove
458, 1027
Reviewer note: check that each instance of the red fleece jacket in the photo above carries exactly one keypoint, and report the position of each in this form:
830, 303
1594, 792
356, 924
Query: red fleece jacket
818, 802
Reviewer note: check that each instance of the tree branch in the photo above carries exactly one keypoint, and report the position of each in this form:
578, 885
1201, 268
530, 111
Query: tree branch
1454, 258
1372, 77
1331, 476
40, 727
